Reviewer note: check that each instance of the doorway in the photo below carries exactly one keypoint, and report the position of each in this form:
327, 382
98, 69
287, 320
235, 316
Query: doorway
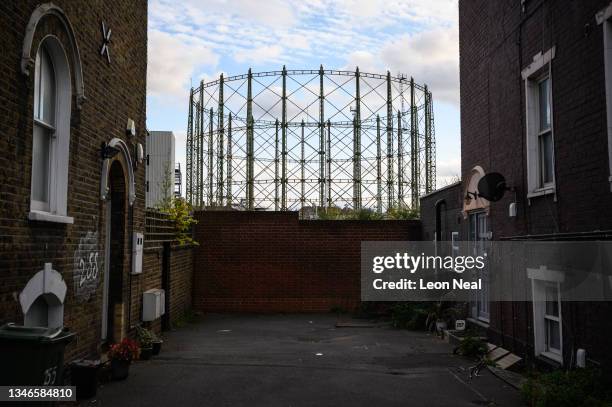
112, 303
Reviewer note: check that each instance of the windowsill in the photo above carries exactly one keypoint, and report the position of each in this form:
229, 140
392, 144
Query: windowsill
41, 216
550, 190
554, 357
479, 322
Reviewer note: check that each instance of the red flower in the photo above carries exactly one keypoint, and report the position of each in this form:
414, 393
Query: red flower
126, 350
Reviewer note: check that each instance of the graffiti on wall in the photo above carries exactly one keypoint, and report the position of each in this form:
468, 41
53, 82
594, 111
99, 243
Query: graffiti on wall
86, 266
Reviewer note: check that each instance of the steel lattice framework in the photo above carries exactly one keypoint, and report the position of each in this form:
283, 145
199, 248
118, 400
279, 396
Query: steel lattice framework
289, 139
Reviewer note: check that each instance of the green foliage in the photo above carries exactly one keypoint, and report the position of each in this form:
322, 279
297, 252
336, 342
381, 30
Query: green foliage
189, 317
333, 213
408, 315
402, 213
145, 337
365, 214
180, 212
471, 346
575, 388
394, 213
337, 309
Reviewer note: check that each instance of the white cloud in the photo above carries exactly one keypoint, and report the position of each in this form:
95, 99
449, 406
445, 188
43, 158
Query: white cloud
172, 61
431, 57
260, 54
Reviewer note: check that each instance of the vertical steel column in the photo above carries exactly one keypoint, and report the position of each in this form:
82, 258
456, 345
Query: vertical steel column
329, 165
276, 162
221, 150
229, 161
357, 146
414, 154
321, 140
400, 162
211, 155
250, 152
428, 143
284, 141
198, 157
200, 109
378, 168
189, 155
302, 168
390, 198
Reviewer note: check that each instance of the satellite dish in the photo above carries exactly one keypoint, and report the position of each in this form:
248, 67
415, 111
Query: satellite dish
492, 186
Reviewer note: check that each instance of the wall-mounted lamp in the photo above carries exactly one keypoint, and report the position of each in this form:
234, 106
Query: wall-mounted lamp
107, 151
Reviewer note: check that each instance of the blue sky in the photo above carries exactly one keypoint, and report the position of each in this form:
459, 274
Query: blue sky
195, 40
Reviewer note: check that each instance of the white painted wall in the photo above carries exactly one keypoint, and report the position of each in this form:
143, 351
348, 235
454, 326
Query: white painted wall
159, 157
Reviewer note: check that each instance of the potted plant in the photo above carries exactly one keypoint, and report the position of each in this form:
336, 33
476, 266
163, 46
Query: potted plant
84, 376
157, 344
121, 355
145, 338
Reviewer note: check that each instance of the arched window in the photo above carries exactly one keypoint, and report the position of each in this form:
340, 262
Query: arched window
44, 129
51, 134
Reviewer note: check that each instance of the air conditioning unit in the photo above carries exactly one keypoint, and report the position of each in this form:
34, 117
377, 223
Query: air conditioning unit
153, 304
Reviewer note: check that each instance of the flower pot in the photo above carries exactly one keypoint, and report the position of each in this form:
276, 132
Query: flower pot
120, 369
157, 347
146, 353
84, 376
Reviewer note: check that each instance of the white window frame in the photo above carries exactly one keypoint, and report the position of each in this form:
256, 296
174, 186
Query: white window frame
533, 75
603, 18
55, 208
540, 279
480, 304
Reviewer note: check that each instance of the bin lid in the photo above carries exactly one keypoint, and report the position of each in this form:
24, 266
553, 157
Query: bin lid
12, 331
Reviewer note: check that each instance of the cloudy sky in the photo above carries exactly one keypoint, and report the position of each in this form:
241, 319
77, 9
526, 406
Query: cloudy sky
193, 40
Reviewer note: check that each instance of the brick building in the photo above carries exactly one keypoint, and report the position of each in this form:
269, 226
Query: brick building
536, 106
72, 179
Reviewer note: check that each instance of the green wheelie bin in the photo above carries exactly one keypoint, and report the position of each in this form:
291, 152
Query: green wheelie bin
32, 356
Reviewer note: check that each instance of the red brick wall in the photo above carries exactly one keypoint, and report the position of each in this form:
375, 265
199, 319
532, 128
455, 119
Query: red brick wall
273, 262
497, 39
114, 92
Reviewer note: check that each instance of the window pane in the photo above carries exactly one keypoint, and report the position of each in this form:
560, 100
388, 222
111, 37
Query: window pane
48, 88
40, 164
546, 158
37, 92
543, 90
553, 335
552, 301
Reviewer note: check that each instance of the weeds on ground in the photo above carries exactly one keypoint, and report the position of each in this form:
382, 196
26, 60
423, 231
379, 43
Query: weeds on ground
585, 387
472, 346
189, 317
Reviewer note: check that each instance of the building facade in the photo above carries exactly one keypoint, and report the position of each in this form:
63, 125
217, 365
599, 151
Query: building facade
72, 175
160, 167
536, 106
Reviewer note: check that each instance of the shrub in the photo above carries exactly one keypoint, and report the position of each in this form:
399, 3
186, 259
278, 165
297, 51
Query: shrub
180, 212
408, 316
365, 214
575, 388
402, 213
472, 346
333, 213
145, 337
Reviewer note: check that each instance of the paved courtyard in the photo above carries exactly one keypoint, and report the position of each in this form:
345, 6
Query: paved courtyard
302, 360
